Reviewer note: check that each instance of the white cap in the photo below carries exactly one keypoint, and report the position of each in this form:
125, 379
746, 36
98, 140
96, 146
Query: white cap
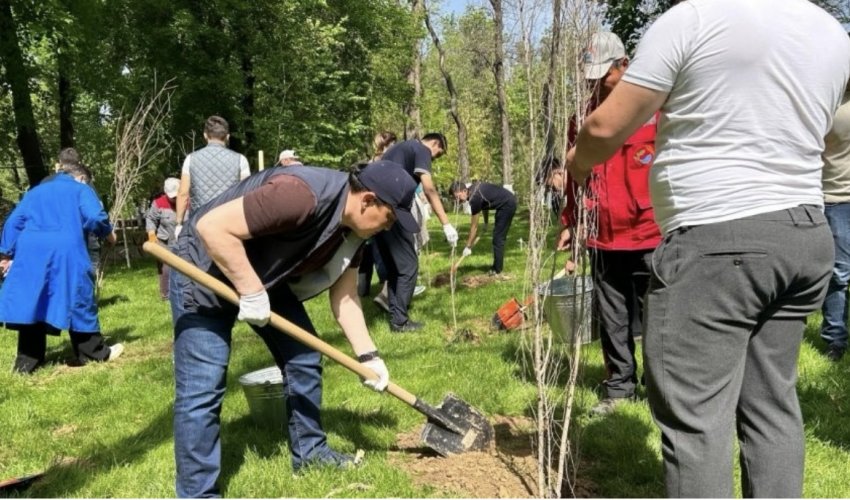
172, 185
604, 48
287, 154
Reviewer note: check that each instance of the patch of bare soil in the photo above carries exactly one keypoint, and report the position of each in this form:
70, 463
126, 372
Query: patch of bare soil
64, 430
474, 281
441, 280
480, 280
471, 331
508, 470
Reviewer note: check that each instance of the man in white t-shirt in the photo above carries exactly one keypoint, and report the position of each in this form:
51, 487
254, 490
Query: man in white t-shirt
747, 91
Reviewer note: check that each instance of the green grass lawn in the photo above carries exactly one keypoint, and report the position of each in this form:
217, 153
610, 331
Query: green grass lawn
105, 430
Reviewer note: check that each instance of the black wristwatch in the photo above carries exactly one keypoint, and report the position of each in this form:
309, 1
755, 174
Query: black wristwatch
368, 356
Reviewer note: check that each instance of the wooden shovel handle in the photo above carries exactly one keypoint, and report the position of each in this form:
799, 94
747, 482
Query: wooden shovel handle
279, 322
457, 263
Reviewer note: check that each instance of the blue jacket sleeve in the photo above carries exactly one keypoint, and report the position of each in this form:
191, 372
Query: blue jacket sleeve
12, 228
95, 219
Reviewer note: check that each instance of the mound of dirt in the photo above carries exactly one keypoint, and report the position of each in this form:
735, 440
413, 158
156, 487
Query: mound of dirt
441, 280
508, 470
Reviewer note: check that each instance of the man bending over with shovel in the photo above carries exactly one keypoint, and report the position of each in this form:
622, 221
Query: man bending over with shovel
485, 196
279, 237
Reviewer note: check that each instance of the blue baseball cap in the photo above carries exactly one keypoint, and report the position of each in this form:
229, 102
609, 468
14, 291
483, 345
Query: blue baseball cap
394, 186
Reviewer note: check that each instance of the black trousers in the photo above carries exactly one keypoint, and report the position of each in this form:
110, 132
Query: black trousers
32, 346
398, 251
504, 217
620, 280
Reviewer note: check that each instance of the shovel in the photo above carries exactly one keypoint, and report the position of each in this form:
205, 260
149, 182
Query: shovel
457, 262
453, 427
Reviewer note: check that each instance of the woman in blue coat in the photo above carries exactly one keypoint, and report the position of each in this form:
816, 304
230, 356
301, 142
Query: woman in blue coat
49, 276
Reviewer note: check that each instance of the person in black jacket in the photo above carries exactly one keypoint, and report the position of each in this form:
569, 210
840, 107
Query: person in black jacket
486, 196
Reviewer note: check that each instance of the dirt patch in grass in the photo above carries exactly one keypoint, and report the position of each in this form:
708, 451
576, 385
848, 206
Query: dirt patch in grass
480, 280
470, 331
441, 280
64, 430
508, 470
474, 281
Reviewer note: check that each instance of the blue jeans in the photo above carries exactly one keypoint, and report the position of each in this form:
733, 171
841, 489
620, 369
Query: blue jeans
201, 354
834, 326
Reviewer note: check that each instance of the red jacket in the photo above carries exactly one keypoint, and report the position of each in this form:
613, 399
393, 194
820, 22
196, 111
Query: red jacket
617, 199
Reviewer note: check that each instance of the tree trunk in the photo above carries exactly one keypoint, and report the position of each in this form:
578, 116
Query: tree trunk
247, 104
499, 71
549, 87
16, 75
413, 127
66, 102
462, 148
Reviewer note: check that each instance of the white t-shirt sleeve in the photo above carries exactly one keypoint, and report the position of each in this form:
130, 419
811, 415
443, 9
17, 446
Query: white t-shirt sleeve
664, 49
186, 164
244, 169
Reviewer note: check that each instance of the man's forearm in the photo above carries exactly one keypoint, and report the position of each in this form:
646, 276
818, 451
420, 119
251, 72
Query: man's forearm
182, 203
437, 205
473, 231
346, 307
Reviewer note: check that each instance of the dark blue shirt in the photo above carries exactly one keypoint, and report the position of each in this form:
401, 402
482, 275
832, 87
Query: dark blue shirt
412, 155
486, 196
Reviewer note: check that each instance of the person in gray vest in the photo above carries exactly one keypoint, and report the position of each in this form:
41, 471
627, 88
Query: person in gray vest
209, 171
280, 237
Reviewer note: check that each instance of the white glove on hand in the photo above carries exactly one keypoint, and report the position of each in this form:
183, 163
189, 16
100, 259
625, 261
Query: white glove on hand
255, 308
451, 234
467, 252
177, 229
377, 365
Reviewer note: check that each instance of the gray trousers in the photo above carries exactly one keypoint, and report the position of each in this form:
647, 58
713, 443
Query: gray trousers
726, 309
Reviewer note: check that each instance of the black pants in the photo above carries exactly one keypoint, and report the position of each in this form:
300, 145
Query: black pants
371, 258
504, 217
32, 346
620, 280
398, 251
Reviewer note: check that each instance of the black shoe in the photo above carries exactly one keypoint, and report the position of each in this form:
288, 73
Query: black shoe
835, 353
408, 326
26, 365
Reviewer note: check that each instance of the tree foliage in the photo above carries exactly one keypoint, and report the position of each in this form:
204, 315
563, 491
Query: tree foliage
302, 74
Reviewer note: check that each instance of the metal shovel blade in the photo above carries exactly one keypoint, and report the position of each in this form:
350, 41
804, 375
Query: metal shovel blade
455, 427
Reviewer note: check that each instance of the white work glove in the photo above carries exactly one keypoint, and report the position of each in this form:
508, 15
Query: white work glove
467, 252
451, 234
377, 365
255, 308
177, 229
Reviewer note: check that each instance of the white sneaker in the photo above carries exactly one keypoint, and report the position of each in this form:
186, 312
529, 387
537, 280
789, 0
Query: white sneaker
381, 300
419, 290
115, 352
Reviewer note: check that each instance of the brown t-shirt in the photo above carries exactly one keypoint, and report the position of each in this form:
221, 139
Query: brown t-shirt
284, 204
